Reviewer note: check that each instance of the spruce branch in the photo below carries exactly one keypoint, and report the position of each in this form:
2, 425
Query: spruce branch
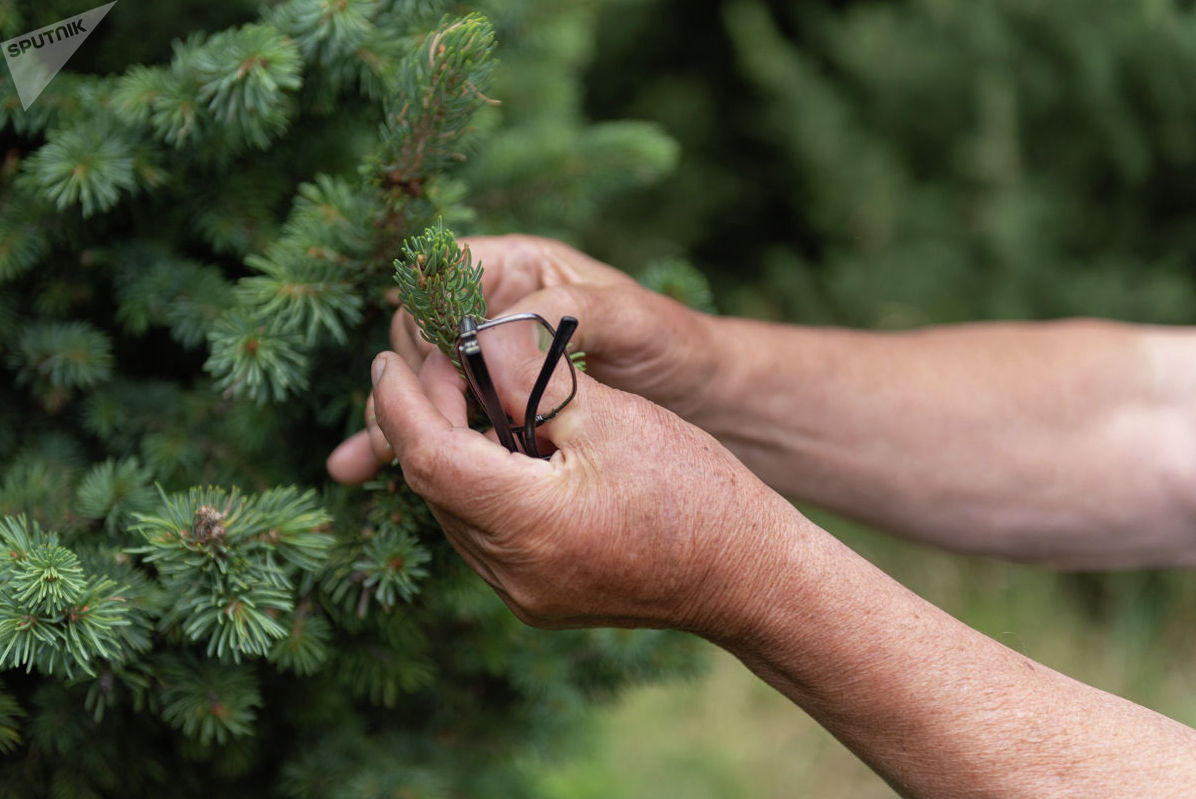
23, 234
89, 164
92, 623
165, 99
241, 620
326, 31
381, 563
307, 278
298, 530
441, 85
156, 287
254, 358
11, 714
244, 76
439, 284
53, 616
228, 562
305, 291
208, 700
45, 579
230, 90
55, 358
332, 214
112, 491
306, 647
350, 46
391, 566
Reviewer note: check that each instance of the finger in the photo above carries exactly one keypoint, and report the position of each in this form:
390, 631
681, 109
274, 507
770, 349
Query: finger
604, 317
439, 457
383, 453
406, 340
445, 388
581, 422
516, 265
353, 461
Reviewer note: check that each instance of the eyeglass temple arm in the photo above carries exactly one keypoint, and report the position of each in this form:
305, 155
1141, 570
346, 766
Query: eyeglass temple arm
474, 366
560, 340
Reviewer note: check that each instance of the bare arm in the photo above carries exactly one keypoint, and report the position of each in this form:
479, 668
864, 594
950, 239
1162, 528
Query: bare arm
1071, 443
642, 520
934, 707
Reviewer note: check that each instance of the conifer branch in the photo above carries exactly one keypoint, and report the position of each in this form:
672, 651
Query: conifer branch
440, 88
23, 233
208, 700
305, 649
90, 164
439, 284
53, 617
218, 554
304, 291
261, 360
156, 287
11, 714
56, 358
326, 32
244, 75
382, 563
114, 490
229, 91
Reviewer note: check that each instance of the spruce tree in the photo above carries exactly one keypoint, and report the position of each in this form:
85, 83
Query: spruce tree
197, 250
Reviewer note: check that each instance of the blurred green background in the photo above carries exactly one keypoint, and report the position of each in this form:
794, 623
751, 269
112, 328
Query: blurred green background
890, 165
882, 165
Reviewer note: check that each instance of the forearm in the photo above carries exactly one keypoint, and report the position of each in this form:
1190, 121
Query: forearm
936, 708
1070, 442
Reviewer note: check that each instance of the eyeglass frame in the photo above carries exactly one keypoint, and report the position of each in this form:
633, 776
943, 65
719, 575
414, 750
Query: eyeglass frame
477, 375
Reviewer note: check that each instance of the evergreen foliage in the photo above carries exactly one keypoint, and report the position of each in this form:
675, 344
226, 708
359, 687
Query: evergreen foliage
440, 285
199, 223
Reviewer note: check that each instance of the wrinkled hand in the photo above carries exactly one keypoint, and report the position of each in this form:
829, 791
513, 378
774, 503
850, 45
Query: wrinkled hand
638, 519
634, 339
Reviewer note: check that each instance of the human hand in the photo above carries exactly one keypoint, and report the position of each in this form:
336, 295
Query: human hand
638, 518
634, 339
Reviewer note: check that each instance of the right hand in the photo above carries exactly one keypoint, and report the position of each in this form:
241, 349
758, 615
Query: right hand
637, 520
634, 339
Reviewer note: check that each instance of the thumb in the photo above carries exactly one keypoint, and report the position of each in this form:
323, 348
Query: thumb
446, 463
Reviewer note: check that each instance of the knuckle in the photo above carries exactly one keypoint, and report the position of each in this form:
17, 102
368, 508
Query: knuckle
422, 468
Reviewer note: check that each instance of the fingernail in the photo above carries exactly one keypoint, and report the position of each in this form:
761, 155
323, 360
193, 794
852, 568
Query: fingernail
377, 368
